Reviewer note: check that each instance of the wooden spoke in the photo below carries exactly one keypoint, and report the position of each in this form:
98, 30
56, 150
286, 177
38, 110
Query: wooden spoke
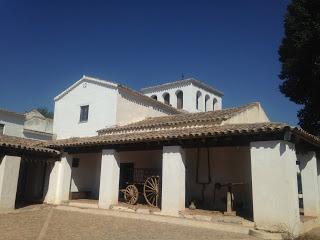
151, 191
131, 194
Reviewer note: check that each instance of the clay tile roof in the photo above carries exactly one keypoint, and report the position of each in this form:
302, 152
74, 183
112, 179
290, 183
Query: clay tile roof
182, 119
175, 133
24, 144
180, 127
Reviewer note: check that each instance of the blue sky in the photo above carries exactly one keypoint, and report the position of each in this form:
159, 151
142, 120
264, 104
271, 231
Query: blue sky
47, 45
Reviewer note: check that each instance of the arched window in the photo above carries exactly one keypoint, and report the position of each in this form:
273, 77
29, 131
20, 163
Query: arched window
214, 104
206, 103
179, 94
154, 97
198, 98
166, 98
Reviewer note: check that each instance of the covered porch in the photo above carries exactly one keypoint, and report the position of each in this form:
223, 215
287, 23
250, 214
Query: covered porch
249, 170
24, 172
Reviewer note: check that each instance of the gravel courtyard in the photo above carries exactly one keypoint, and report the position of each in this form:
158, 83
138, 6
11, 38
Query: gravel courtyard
50, 223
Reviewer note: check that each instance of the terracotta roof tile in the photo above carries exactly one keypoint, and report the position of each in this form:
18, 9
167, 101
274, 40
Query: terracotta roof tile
182, 119
24, 144
174, 133
179, 127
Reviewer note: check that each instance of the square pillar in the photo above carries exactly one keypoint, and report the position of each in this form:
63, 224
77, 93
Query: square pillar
63, 178
53, 176
274, 186
173, 180
309, 179
9, 175
109, 178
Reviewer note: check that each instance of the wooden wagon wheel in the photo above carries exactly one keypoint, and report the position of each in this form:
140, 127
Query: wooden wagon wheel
131, 194
151, 191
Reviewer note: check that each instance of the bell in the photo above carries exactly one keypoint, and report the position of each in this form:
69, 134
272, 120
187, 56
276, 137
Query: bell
192, 206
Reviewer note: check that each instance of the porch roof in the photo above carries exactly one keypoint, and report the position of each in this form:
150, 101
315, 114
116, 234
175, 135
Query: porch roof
186, 132
19, 146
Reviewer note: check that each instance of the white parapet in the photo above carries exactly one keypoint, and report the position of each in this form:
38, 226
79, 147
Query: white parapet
274, 186
9, 175
109, 178
173, 180
309, 179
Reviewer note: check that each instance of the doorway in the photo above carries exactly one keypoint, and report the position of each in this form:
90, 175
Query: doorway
31, 182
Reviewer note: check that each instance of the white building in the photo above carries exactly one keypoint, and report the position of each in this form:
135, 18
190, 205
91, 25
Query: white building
111, 138
31, 125
91, 104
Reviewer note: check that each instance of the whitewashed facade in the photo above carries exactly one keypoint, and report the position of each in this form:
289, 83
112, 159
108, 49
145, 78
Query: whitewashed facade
109, 105
32, 125
197, 150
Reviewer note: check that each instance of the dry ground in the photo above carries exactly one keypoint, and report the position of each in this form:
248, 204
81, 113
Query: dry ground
49, 223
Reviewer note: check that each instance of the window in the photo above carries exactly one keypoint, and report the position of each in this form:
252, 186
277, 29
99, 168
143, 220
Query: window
179, 99
84, 112
1, 129
75, 162
154, 97
206, 103
214, 104
198, 100
166, 98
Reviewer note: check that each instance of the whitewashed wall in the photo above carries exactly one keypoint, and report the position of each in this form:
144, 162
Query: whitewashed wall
189, 98
102, 110
13, 124
86, 177
132, 109
255, 114
227, 165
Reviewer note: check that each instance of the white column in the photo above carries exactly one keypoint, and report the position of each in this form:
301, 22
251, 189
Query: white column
63, 178
173, 180
53, 176
109, 178
9, 175
309, 179
274, 186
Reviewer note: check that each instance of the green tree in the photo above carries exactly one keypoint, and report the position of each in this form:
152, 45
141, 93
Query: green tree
300, 58
45, 112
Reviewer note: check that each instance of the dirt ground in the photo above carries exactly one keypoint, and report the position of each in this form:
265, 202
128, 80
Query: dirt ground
50, 223
314, 234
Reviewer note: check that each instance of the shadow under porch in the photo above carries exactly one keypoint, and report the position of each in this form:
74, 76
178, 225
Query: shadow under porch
215, 175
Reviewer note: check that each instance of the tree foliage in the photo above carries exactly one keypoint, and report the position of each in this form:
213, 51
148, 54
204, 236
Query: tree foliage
45, 112
300, 57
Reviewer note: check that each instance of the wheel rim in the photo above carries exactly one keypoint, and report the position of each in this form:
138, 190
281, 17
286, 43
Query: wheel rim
131, 194
151, 191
